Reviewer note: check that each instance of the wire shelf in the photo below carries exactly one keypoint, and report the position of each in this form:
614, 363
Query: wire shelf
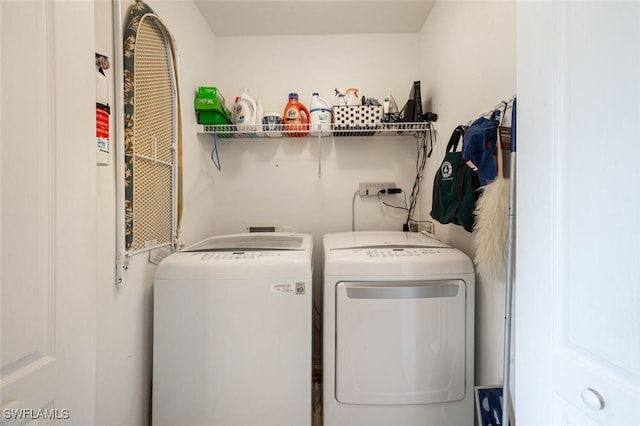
304, 130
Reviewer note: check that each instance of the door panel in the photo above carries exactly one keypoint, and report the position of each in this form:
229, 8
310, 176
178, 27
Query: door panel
26, 203
577, 276
47, 218
28, 216
598, 334
599, 181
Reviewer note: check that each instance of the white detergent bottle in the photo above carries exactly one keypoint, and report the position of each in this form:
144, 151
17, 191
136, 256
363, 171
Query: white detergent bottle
320, 119
245, 112
259, 114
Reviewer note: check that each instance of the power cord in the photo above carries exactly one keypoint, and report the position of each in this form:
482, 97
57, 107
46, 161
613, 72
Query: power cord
353, 211
388, 191
421, 161
393, 191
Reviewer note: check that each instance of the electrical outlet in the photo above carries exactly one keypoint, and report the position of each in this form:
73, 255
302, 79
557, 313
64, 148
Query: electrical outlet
372, 188
426, 227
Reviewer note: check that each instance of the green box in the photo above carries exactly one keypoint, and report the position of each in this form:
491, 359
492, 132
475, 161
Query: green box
210, 92
212, 117
208, 104
212, 111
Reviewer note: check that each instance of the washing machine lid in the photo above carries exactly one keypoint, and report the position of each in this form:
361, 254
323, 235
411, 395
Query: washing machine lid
241, 257
251, 241
389, 253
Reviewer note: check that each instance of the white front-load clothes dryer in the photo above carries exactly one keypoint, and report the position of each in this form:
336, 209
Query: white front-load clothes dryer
398, 331
232, 332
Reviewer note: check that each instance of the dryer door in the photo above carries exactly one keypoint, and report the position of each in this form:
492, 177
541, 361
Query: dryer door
400, 342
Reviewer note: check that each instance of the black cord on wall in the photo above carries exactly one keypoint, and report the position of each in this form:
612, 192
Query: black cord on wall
421, 161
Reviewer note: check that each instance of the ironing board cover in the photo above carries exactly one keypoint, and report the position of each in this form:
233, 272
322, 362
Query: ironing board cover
136, 14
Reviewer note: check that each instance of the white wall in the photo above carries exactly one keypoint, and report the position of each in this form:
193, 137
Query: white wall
276, 180
468, 57
466, 66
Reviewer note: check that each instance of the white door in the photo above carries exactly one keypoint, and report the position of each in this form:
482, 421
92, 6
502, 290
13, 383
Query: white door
48, 221
578, 211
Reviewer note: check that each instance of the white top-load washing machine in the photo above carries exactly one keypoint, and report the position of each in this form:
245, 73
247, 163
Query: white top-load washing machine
398, 335
233, 332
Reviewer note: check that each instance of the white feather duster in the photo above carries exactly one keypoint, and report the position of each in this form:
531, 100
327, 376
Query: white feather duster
492, 226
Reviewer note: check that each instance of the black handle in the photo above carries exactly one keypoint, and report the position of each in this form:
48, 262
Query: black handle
455, 138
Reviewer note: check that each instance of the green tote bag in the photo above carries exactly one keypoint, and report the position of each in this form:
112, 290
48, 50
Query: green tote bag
455, 187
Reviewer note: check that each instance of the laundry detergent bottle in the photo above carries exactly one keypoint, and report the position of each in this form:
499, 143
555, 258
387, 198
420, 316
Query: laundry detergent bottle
244, 112
295, 117
320, 117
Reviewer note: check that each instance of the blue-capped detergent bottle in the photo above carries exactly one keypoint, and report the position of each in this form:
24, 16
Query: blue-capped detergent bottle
244, 112
320, 111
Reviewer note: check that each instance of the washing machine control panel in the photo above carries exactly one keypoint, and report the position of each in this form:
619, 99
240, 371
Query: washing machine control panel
400, 252
237, 255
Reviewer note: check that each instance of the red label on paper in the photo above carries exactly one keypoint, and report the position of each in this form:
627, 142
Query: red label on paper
102, 124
